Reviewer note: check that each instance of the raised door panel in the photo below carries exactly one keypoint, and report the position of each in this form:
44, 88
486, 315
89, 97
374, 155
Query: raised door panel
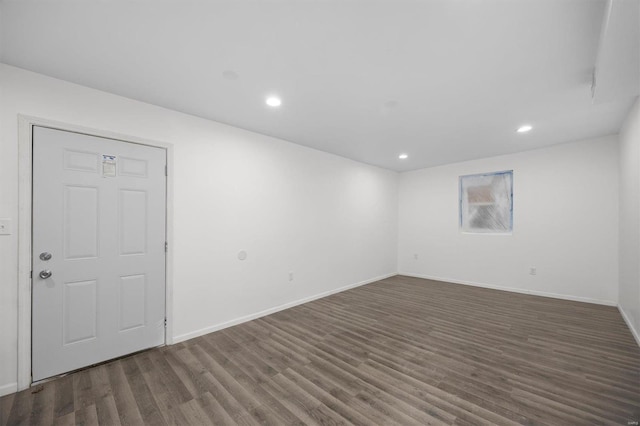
133, 220
79, 311
80, 222
133, 302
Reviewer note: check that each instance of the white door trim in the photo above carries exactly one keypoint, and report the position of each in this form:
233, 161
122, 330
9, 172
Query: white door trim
25, 190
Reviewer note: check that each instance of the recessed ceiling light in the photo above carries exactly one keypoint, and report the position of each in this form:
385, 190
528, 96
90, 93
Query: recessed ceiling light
524, 129
274, 101
403, 156
390, 104
230, 75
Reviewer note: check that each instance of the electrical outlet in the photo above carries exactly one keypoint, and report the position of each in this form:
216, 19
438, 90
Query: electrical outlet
290, 276
5, 226
415, 256
533, 270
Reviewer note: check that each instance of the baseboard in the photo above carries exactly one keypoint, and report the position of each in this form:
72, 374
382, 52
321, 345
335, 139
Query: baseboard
236, 321
634, 332
8, 388
513, 290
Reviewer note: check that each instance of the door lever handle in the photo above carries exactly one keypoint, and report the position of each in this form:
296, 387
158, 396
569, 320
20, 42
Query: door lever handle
45, 274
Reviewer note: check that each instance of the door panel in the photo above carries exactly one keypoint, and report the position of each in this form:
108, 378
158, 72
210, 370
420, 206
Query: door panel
80, 311
133, 221
80, 222
99, 210
81, 161
135, 167
132, 306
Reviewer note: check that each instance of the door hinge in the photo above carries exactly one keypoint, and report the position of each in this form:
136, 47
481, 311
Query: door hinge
165, 323
166, 246
31, 274
166, 170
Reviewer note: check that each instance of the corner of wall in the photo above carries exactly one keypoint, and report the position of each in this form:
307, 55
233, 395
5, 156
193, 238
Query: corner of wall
629, 322
629, 221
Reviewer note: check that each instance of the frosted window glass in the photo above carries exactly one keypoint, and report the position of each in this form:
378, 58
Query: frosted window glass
486, 203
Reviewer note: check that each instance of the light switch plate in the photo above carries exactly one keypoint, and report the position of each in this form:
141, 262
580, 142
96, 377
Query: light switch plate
5, 226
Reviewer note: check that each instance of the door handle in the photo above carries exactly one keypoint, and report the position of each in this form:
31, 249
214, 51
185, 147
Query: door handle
45, 274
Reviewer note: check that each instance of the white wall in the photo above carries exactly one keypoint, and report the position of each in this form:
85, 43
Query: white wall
629, 301
565, 224
331, 221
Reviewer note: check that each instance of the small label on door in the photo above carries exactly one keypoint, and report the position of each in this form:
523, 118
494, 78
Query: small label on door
108, 166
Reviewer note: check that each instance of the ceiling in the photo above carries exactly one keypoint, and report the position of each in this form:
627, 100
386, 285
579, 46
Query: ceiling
441, 80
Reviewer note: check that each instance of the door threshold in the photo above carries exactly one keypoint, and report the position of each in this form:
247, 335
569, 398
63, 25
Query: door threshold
59, 376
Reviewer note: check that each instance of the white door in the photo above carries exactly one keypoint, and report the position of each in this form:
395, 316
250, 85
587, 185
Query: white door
99, 232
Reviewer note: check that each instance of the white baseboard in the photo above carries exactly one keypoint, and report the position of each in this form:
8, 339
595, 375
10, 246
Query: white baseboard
514, 290
236, 321
8, 388
626, 318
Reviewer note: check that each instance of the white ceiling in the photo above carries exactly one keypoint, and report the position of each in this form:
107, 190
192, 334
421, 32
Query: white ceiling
442, 80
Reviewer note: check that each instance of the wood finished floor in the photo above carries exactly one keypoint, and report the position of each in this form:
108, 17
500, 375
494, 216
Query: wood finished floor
398, 351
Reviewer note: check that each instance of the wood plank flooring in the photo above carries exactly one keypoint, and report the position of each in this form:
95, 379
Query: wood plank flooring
398, 351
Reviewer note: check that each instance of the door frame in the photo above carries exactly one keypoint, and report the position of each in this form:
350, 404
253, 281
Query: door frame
25, 212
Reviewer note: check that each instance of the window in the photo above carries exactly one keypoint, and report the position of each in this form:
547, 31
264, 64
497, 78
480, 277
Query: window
486, 203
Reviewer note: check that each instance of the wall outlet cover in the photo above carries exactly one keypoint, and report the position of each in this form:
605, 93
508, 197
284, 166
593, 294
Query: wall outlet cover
5, 226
